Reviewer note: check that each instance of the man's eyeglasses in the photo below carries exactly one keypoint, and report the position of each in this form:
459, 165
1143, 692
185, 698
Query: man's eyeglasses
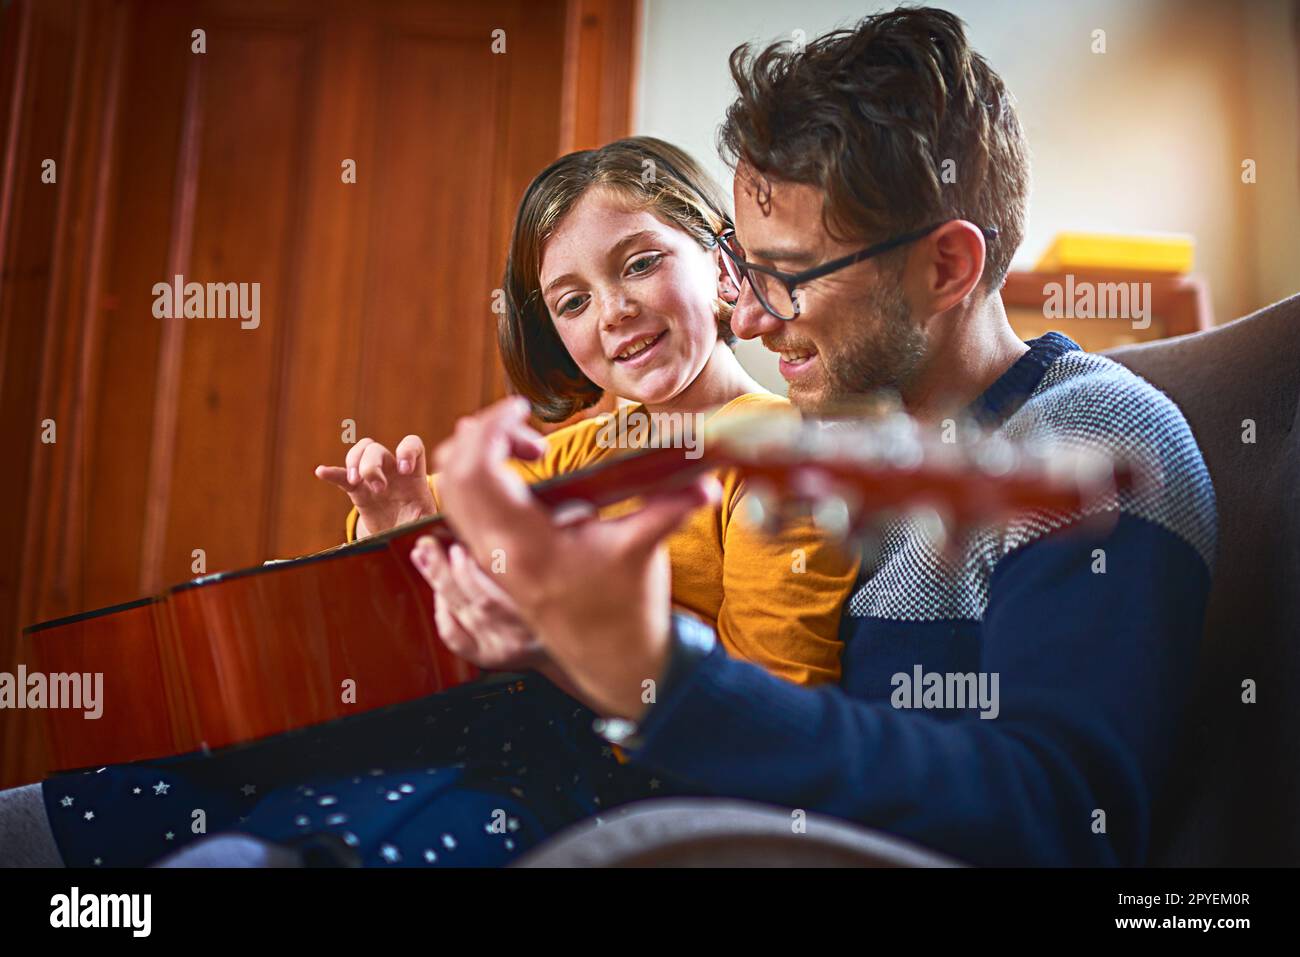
775, 290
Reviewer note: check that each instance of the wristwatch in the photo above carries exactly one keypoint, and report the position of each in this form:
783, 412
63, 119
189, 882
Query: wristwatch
690, 642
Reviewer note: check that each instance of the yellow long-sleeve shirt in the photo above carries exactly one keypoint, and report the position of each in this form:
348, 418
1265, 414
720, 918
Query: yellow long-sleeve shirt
774, 600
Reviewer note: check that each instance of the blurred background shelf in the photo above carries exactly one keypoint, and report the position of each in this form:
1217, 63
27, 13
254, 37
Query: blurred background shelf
1178, 305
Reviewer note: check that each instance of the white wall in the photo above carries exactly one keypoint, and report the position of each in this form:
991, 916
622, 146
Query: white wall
1148, 136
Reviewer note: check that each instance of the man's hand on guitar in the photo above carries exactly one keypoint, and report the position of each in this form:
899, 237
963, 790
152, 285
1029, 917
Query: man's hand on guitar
387, 488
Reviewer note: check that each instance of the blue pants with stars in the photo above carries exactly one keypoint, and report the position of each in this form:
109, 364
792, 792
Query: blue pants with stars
471, 777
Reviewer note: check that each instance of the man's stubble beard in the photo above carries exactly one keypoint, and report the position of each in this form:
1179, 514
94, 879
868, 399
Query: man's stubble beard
882, 351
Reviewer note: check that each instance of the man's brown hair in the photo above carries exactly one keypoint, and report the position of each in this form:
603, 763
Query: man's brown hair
870, 115
648, 172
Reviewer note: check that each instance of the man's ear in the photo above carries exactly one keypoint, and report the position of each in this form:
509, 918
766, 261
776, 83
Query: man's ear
957, 253
727, 290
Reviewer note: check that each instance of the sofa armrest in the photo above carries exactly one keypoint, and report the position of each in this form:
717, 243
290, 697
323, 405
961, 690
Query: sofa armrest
713, 832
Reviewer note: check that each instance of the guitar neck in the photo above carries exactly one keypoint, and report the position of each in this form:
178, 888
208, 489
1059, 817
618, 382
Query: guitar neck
625, 476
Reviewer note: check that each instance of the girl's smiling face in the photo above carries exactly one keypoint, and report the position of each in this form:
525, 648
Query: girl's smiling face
631, 297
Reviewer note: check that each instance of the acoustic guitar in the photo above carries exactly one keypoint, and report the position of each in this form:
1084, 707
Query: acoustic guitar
240, 655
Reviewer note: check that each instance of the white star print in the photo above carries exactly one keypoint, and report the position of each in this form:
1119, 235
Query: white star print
248, 789
169, 835
135, 790
98, 861
89, 815
160, 788
67, 801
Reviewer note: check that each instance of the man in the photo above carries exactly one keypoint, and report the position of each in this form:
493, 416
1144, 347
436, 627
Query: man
895, 136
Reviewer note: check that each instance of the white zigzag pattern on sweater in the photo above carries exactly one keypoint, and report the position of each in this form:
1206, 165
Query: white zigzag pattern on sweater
1082, 400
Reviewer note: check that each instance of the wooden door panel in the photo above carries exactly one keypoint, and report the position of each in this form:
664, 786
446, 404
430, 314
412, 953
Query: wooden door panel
426, 316
225, 167
323, 339
253, 98
120, 389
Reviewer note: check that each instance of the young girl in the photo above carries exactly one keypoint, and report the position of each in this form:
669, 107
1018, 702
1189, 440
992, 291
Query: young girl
612, 284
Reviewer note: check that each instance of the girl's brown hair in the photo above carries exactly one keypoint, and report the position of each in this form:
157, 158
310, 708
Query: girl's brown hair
661, 178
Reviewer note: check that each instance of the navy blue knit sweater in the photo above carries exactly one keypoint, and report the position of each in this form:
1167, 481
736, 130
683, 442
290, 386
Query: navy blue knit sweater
1093, 637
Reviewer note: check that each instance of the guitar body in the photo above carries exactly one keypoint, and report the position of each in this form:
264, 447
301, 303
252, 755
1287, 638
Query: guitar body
242, 655
234, 657
237, 656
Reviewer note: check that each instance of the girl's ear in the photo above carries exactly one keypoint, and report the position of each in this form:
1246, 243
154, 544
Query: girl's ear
722, 319
727, 290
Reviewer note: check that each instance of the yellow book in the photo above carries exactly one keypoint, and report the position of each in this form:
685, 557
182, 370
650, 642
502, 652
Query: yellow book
1169, 253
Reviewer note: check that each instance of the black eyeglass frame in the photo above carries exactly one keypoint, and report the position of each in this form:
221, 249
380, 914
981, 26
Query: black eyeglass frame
792, 280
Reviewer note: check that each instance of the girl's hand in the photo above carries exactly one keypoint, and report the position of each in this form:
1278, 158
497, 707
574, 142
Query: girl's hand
387, 489
476, 619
